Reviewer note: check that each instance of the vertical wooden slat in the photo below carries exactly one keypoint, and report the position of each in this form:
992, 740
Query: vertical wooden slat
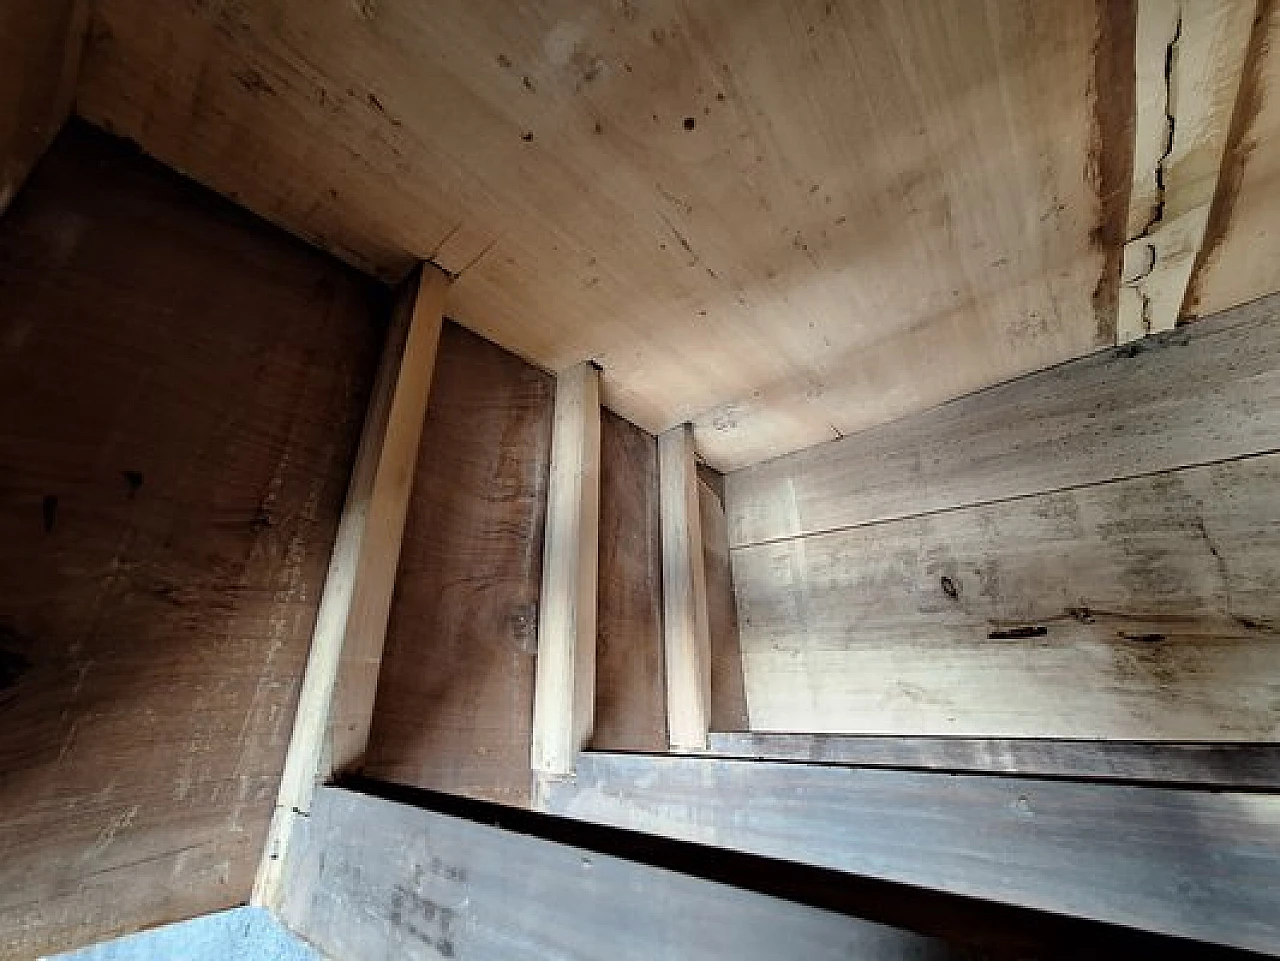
685, 623
331, 725
564, 691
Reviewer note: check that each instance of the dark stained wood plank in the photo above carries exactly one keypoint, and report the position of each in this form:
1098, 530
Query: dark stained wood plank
1144, 609
1247, 766
384, 880
1194, 864
455, 696
1196, 395
181, 389
630, 700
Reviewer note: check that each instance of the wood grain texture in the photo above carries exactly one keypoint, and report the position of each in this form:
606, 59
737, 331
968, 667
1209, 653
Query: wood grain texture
41, 42
335, 702
455, 696
1239, 259
564, 688
1205, 393
181, 390
1189, 863
1244, 766
728, 695
784, 223
385, 880
630, 693
1140, 609
685, 624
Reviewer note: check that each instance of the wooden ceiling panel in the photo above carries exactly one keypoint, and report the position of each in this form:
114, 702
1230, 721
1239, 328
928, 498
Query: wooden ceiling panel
782, 221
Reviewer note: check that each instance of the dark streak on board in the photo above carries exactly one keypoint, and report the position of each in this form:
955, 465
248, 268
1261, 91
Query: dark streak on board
1111, 151
1235, 156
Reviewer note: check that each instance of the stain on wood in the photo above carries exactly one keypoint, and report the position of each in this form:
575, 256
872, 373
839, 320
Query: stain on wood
153, 633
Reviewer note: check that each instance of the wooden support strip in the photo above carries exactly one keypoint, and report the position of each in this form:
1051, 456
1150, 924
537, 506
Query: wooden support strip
1242, 766
685, 622
330, 729
1189, 863
1189, 58
564, 686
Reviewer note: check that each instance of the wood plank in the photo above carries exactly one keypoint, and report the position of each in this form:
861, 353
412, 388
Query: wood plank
181, 389
1190, 58
728, 695
785, 223
41, 42
454, 706
1240, 256
1195, 864
1240, 766
630, 694
685, 627
335, 706
564, 686
1109, 416
1143, 609
385, 880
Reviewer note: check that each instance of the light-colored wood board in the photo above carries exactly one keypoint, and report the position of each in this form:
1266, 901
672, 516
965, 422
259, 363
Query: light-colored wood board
1151, 603
181, 390
784, 222
382, 506
1240, 257
564, 679
686, 629
1241, 766
1190, 57
335, 703
41, 42
1195, 864
455, 696
385, 880
1208, 392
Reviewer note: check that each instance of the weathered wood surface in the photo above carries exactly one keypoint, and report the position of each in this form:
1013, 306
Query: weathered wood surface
564, 686
685, 622
335, 703
728, 696
455, 696
1196, 395
630, 696
1196, 864
41, 42
1141, 609
784, 221
1247, 766
388, 881
181, 391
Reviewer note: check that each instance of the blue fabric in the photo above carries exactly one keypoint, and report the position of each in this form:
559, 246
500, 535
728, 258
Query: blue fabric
241, 933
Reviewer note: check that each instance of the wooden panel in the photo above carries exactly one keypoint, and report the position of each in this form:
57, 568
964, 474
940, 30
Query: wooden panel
1195, 864
335, 703
455, 696
728, 696
1206, 393
685, 628
630, 695
1250, 766
1240, 258
384, 880
181, 390
564, 688
40, 46
1142, 609
785, 223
